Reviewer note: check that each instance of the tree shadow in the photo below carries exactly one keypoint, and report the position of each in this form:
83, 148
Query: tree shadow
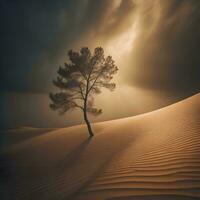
73, 157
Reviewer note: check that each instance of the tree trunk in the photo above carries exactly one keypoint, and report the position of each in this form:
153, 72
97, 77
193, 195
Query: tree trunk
88, 124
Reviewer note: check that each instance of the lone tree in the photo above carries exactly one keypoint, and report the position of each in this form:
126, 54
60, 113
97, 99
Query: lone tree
80, 79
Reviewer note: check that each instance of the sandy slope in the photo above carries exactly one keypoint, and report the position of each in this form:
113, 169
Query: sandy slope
13, 136
151, 156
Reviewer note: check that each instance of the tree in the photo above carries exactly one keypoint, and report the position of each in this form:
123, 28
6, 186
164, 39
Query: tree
82, 78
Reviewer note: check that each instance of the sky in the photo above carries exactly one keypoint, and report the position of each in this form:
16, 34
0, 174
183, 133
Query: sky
154, 43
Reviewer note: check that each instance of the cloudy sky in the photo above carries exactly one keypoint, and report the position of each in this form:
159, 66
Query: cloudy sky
155, 44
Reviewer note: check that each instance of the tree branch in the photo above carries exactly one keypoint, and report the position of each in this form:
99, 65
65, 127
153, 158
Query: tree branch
96, 79
84, 76
76, 105
81, 91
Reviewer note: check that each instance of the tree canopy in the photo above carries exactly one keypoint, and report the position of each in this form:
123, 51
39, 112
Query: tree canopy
82, 78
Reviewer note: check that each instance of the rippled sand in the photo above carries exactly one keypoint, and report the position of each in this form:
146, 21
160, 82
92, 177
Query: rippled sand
150, 156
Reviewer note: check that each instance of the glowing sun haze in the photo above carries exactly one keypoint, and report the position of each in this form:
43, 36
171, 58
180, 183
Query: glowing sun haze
154, 43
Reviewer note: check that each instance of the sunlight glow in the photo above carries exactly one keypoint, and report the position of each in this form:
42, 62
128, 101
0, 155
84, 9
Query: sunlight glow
122, 45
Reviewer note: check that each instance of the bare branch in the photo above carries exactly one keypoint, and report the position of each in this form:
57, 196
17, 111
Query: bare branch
82, 94
96, 79
78, 106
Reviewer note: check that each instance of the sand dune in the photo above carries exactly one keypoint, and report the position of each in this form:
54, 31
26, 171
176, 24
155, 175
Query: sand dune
150, 156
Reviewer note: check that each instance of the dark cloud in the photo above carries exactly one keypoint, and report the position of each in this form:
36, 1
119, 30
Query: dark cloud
166, 52
36, 36
27, 28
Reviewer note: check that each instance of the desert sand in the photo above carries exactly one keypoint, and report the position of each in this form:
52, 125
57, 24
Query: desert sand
150, 156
